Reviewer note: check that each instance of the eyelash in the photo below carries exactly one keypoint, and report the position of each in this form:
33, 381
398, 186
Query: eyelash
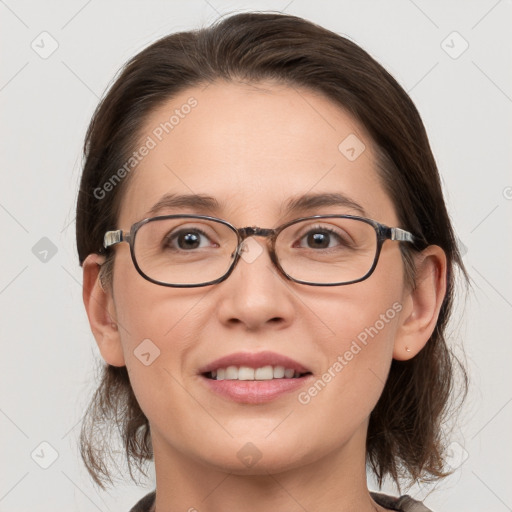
323, 229
170, 240
174, 236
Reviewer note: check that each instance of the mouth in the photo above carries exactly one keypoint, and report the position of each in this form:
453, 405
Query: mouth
254, 378
246, 373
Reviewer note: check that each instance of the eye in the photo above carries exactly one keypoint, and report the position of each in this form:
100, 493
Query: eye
322, 238
187, 239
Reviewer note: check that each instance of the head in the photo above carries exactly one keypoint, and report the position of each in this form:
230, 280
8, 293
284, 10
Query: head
254, 112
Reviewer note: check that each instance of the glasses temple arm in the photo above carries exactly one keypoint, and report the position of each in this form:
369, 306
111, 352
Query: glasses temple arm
401, 235
112, 238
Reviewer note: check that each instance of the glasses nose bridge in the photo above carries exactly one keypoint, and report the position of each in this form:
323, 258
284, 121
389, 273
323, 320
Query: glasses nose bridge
255, 231
269, 234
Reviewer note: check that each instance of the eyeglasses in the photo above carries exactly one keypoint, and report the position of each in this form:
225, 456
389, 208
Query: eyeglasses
196, 250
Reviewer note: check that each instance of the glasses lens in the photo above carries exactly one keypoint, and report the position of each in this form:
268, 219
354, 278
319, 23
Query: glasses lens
327, 250
184, 250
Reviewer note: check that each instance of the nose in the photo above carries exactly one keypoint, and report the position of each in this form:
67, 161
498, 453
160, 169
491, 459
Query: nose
256, 295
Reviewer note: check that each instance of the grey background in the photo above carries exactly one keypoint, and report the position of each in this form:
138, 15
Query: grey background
48, 358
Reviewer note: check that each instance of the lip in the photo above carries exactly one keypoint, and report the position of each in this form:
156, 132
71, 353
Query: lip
254, 360
255, 391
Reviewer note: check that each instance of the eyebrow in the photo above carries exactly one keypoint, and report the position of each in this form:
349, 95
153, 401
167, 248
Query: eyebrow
314, 201
200, 202
295, 205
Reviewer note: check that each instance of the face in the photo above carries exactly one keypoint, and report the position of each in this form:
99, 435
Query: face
254, 148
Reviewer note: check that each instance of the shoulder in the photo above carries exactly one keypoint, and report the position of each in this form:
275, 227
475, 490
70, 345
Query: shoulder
146, 504
402, 504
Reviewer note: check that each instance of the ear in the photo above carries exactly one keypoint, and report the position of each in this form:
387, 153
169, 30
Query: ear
421, 304
100, 307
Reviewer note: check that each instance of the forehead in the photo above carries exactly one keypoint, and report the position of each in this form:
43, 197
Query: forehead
255, 148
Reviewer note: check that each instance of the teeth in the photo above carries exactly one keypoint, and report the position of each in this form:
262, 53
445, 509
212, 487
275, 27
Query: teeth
231, 372
278, 372
288, 373
264, 373
246, 373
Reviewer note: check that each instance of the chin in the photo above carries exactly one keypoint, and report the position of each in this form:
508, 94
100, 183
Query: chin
256, 462
255, 455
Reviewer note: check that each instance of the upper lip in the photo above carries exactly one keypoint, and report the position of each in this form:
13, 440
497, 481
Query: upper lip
254, 360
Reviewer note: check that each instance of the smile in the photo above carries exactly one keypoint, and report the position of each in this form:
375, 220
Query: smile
268, 372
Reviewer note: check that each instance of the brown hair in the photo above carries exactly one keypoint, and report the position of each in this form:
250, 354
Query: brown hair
404, 436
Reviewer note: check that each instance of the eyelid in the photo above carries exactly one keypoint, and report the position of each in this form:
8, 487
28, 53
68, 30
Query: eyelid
329, 228
326, 210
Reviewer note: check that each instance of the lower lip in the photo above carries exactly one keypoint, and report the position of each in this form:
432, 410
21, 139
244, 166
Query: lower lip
255, 391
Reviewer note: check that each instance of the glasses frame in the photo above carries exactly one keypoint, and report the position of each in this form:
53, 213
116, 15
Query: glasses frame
382, 232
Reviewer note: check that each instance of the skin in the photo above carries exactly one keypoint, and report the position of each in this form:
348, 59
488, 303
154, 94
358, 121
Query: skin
254, 147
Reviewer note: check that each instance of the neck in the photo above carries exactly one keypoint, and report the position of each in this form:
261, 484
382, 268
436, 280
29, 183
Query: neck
335, 481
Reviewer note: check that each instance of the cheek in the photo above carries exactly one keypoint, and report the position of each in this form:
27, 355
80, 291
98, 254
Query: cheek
158, 326
361, 321
149, 311
360, 347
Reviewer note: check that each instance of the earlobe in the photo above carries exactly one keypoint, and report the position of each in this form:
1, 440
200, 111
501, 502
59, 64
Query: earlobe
100, 308
421, 304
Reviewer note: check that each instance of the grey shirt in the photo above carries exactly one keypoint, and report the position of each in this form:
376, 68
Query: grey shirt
402, 504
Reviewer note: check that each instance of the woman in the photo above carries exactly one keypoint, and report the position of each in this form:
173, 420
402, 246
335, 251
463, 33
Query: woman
275, 321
